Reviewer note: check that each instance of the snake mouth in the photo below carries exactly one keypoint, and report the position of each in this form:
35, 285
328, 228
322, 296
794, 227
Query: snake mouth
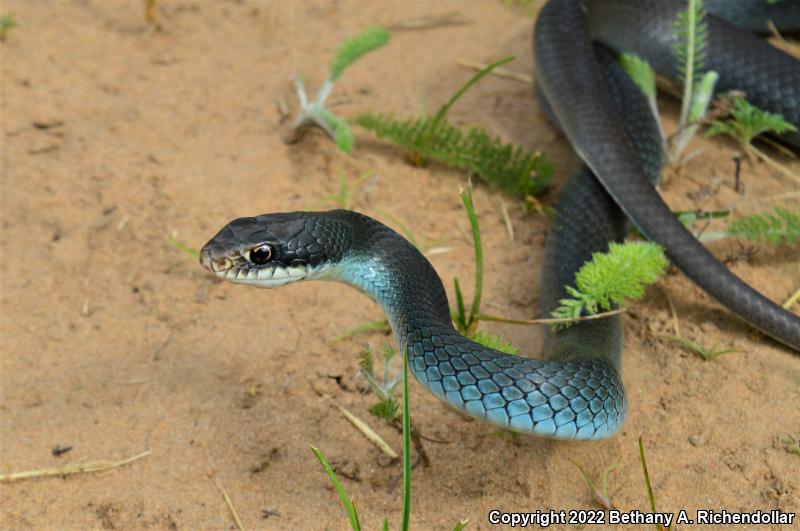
268, 277
240, 271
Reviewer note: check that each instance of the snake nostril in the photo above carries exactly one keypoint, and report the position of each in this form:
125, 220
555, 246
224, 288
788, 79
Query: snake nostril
214, 264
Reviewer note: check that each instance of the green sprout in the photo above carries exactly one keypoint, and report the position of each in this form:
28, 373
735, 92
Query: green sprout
599, 492
691, 30
791, 445
779, 227
495, 342
6, 23
179, 245
349, 503
707, 354
651, 498
344, 196
611, 278
689, 49
386, 408
746, 122
314, 113
466, 322
644, 76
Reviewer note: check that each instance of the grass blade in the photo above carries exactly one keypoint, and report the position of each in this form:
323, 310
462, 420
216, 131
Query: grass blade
406, 447
647, 480
348, 503
466, 199
461, 312
381, 325
446, 107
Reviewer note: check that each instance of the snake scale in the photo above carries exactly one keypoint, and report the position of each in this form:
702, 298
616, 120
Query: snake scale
575, 391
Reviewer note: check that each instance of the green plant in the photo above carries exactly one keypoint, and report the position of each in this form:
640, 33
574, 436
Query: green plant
349, 504
781, 227
746, 122
689, 49
644, 76
611, 278
466, 322
647, 483
381, 325
386, 408
194, 253
314, 113
707, 354
343, 198
495, 342
6, 23
791, 445
599, 493
514, 169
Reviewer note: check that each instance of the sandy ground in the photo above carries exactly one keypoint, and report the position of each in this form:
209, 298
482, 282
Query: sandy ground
116, 137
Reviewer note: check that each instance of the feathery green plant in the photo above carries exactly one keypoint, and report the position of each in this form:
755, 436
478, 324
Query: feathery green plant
611, 278
689, 50
691, 30
781, 227
747, 121
314, 113
514, 169
6, 23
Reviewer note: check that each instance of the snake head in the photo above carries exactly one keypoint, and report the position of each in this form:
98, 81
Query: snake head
272, 250
268, 251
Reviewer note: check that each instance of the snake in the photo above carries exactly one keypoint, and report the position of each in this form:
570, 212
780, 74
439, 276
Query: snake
574, 389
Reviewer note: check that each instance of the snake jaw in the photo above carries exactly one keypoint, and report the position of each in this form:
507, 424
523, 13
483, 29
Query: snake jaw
267, 277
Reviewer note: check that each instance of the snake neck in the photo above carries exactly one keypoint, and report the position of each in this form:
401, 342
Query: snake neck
582, 398
396, 276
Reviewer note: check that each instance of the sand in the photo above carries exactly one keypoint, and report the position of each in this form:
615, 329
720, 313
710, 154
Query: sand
118, 137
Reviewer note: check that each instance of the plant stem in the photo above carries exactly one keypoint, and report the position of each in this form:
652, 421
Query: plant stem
466, 198
406, 447
549, 320
446, 107
688, 80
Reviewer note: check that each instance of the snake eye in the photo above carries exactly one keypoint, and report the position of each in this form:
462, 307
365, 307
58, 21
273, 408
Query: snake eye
261, 254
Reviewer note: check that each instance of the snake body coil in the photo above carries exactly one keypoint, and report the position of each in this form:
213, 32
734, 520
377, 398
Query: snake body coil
576, 391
